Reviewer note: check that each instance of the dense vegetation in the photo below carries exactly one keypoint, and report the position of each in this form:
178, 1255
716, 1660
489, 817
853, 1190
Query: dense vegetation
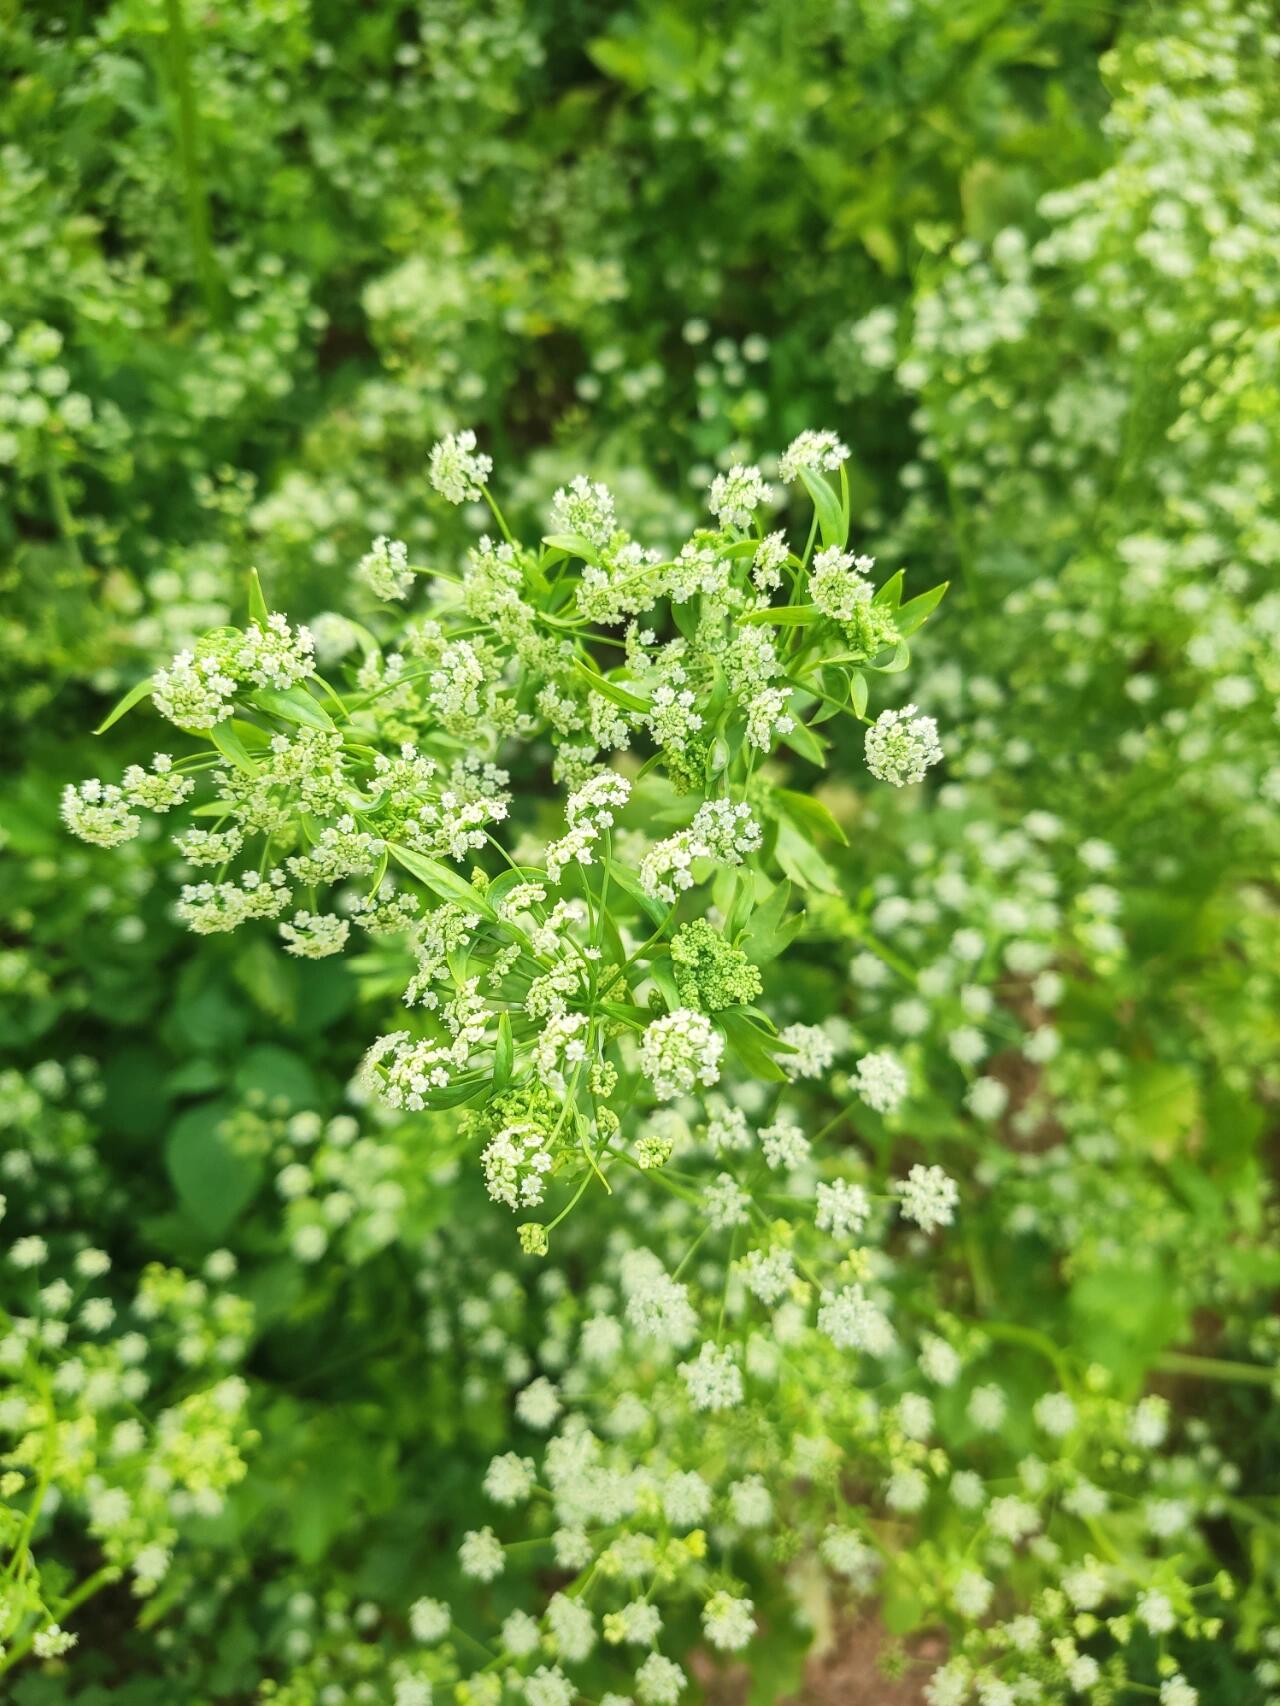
663, 1055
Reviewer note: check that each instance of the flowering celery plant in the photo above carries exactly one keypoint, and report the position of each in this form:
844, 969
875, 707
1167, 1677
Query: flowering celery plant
553, 972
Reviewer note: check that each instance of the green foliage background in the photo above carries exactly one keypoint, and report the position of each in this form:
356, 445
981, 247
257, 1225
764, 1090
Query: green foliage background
258, 257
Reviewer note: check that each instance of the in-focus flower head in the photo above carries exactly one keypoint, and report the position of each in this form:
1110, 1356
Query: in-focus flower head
457, 470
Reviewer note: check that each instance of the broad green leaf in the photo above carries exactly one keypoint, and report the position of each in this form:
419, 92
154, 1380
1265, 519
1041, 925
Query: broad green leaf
278, 1075
665, 983
215, 1182
772, 927
803, 863
627, 1013
629, 883
573, 545
858, 694
741, 906
897, 663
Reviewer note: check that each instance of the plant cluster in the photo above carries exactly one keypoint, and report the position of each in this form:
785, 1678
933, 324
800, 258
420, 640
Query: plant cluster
622, 1095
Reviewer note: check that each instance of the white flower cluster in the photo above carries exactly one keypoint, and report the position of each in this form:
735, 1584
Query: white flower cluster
457, 469
839, 584
590, 810
812, 452
720, 831
737, 495
881, 1081
901, 745
99, 812
680, 1050
586, 509
516, 1162
928, 1196
385, 570
194, 691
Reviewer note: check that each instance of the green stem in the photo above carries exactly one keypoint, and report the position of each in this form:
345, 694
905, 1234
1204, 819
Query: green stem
91, 1585
188, 139
1216, 1368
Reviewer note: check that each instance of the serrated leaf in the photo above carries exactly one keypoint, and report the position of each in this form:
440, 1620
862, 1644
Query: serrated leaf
137, 693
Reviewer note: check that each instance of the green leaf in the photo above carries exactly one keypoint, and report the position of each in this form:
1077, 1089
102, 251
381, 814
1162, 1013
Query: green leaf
629, 883
917, 611
137, 693
447, 884
627, 1013
277, 1074
573, 545
858, 692
469, 1088
772, 928
742, 906
753, 1046
258, 611
214, 1181
229, 743
664, 982
833, 523
803, 741
890, 594
610, 689
806, 812
783, 616
897, 663
803, 863
504, 1054
294, 705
